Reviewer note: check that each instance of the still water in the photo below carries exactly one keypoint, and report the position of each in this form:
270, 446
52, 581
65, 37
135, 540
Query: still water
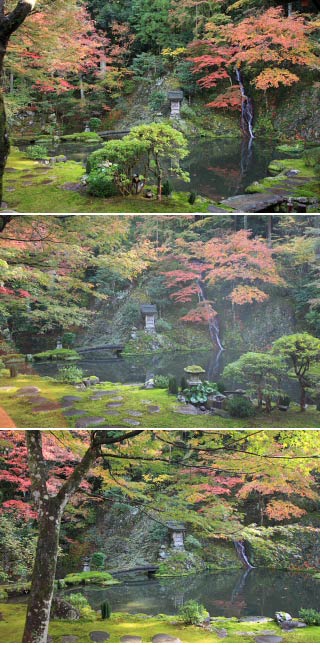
218, 168
227, 593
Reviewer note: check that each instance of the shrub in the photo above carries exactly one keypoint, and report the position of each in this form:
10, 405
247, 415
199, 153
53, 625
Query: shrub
78, 600
167, 188
192, 613
87, 613
163, 325
105, 610
239, 407
310, 616
284, 400
198, 394
70, 374
36, 152
173, 385
100, 183
192, 197
221, 387
95, 123
97, 560
156, 100
68, 339
192, 543
161, 381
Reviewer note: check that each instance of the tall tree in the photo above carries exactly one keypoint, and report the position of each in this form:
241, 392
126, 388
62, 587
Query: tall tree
9, 23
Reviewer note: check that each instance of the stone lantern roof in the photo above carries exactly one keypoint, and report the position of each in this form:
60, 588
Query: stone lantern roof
148, 310
175, 95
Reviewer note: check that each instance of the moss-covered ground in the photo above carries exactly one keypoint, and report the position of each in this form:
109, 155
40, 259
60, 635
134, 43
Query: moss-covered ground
30, 187
307, 183
120, 624
134, 405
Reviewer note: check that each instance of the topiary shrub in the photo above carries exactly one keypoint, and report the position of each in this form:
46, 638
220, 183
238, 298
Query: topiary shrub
36, 152
95, 123
167, 188
173, 385
240, 408
192, 613
192, 197
310, 616
105, 610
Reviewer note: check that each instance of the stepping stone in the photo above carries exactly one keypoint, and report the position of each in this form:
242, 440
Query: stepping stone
131, 422
45, 407
99, 637
69, 638
36, 400
112, 413
67, 401
114, 405
153, 409
130, 639
270, 638
165, 638
28, 183
10, 189
222, 633
97, 397
87, 422
45, 181
107, 392
117, 398
146, 401
11, 170
134, 413
188, 409
28, 391
72, 412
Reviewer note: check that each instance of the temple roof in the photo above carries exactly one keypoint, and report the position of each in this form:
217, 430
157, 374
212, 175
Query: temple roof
175, 95
148, 309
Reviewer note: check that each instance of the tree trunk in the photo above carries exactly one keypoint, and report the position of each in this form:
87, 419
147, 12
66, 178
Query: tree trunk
42, 586
4, 143
302, 397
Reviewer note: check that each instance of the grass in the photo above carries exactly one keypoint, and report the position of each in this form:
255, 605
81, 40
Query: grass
40, 197
134, 399
307, 172
120, 624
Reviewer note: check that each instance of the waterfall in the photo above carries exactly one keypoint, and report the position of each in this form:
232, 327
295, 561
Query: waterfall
241, 551
246, 108
213, 323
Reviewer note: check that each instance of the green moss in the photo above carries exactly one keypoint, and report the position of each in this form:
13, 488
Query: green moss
134, 398
51, 197
89, 137
293, 148
57, 355
89, 577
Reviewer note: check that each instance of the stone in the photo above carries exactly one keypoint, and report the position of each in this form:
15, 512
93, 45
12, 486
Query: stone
107, 392
28, 391
287, 625
134, 413
268, 638
62, 609
114, 405
255, 619
99, 637
116, 398
165, 638
72, 412
69, 400
188, 409
87, 422
222, 632
131, 422
149, 384
6, 388
69, 638
97, 396
153, 409
112, 413
36, 400
282, 616
45, 407
130, 639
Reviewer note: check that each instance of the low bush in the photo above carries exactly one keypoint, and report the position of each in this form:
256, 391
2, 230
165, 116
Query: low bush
161, 381
192, 543
36, 152
95, 123
310, 616
97, 560
100, 183
240, 408
163, 325
192, 613
198, 394
70, 374
80, 602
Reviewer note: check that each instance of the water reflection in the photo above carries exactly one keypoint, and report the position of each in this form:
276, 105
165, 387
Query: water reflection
255, 592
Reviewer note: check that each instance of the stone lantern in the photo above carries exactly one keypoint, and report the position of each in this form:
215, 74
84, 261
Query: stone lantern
176, 532
175, 97
194, 372
149, 313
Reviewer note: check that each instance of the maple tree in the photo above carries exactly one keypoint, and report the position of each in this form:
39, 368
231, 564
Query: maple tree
270, 49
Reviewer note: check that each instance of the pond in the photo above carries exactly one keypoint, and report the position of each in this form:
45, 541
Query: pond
226, 593
218, 168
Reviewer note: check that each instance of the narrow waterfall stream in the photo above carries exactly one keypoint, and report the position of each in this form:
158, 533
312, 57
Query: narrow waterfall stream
213, 323
241, 551
246, 108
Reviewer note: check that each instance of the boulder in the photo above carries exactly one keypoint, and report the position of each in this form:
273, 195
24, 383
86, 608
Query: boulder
282, 616
287, 625
99, 637
62, 609
149, 384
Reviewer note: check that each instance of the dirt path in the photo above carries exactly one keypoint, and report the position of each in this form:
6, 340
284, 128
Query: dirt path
5, 420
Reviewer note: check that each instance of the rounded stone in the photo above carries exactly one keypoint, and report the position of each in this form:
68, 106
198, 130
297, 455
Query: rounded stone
69, 638
114, 405
67, 401
134, 413
28, 391
131, 422
99, 637
165, 638
72, 412
153, 409
87, 422
130, 639
268, 638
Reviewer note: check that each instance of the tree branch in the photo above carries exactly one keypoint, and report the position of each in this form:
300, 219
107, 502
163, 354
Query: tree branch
10, 23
